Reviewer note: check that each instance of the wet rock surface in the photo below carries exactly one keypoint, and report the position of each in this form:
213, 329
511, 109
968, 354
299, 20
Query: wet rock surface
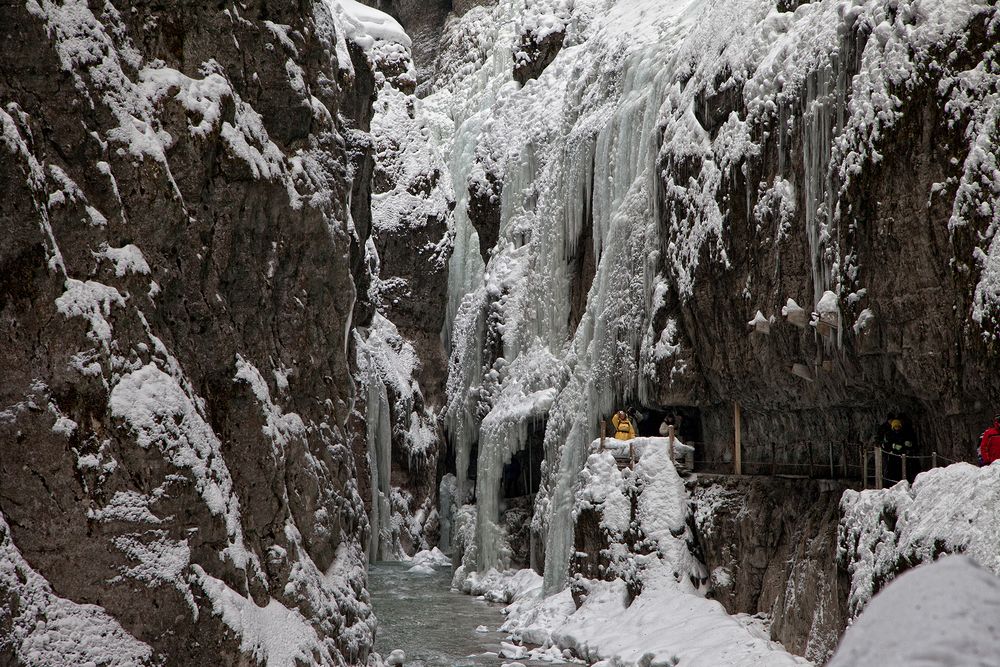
771, 546
174, 307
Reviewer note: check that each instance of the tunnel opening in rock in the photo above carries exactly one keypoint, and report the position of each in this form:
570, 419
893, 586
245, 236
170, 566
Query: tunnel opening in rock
686, 421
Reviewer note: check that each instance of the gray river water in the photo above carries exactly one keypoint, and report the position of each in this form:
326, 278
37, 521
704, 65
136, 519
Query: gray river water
433, 625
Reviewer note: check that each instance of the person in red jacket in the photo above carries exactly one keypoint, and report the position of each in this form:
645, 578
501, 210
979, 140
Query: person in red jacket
989, 448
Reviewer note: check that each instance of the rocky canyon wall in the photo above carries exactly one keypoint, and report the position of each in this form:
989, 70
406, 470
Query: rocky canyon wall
397, 349
856, 160
176, 306
771, 548
786, 206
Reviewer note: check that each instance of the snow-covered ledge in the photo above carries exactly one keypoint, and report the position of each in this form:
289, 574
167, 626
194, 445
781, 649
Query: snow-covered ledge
669, 620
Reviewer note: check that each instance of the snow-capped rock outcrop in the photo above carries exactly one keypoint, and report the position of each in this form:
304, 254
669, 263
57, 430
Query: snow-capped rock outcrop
883, 533
638, 585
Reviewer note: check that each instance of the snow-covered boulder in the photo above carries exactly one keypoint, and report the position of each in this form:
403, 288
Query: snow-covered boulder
431, 557
945, 613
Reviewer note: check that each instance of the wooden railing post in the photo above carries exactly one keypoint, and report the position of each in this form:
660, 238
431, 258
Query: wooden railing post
864, 466
934, 459
878, 467
903, 475
670, 434
738, 445
604, 425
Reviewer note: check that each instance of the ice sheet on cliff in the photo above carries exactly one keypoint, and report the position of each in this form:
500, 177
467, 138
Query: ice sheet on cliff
628, 72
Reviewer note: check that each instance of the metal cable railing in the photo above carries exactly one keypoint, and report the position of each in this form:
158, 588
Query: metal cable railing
869, 464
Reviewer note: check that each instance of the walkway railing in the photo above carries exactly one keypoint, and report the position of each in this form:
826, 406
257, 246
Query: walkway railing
867, 464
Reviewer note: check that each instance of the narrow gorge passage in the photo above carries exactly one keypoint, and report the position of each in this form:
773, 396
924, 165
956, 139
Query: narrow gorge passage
636, 309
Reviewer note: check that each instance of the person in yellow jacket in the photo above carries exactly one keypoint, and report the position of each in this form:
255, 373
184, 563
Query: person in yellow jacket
624, 430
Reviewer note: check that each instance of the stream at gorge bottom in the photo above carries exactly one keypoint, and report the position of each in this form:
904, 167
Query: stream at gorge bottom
434, 625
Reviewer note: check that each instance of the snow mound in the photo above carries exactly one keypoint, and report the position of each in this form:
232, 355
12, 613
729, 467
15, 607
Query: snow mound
668, 621
943, 613
432, 558
662, 625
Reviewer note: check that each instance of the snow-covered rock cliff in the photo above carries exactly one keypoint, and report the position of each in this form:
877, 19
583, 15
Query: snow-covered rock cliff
176, 304
399, 355
676, 168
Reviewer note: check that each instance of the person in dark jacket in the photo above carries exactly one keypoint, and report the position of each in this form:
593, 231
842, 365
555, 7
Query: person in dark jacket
896, 438
989, 447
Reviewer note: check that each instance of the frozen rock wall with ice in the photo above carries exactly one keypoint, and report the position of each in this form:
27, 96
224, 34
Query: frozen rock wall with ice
400, 361
185, 212
674, 170
831, 155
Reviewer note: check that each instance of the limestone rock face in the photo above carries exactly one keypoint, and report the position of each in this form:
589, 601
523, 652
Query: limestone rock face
807, 212
175, 301
771, 547
423, 20
400, 361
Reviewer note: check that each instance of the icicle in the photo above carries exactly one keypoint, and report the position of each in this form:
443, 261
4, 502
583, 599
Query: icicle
600, 171
379, 436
